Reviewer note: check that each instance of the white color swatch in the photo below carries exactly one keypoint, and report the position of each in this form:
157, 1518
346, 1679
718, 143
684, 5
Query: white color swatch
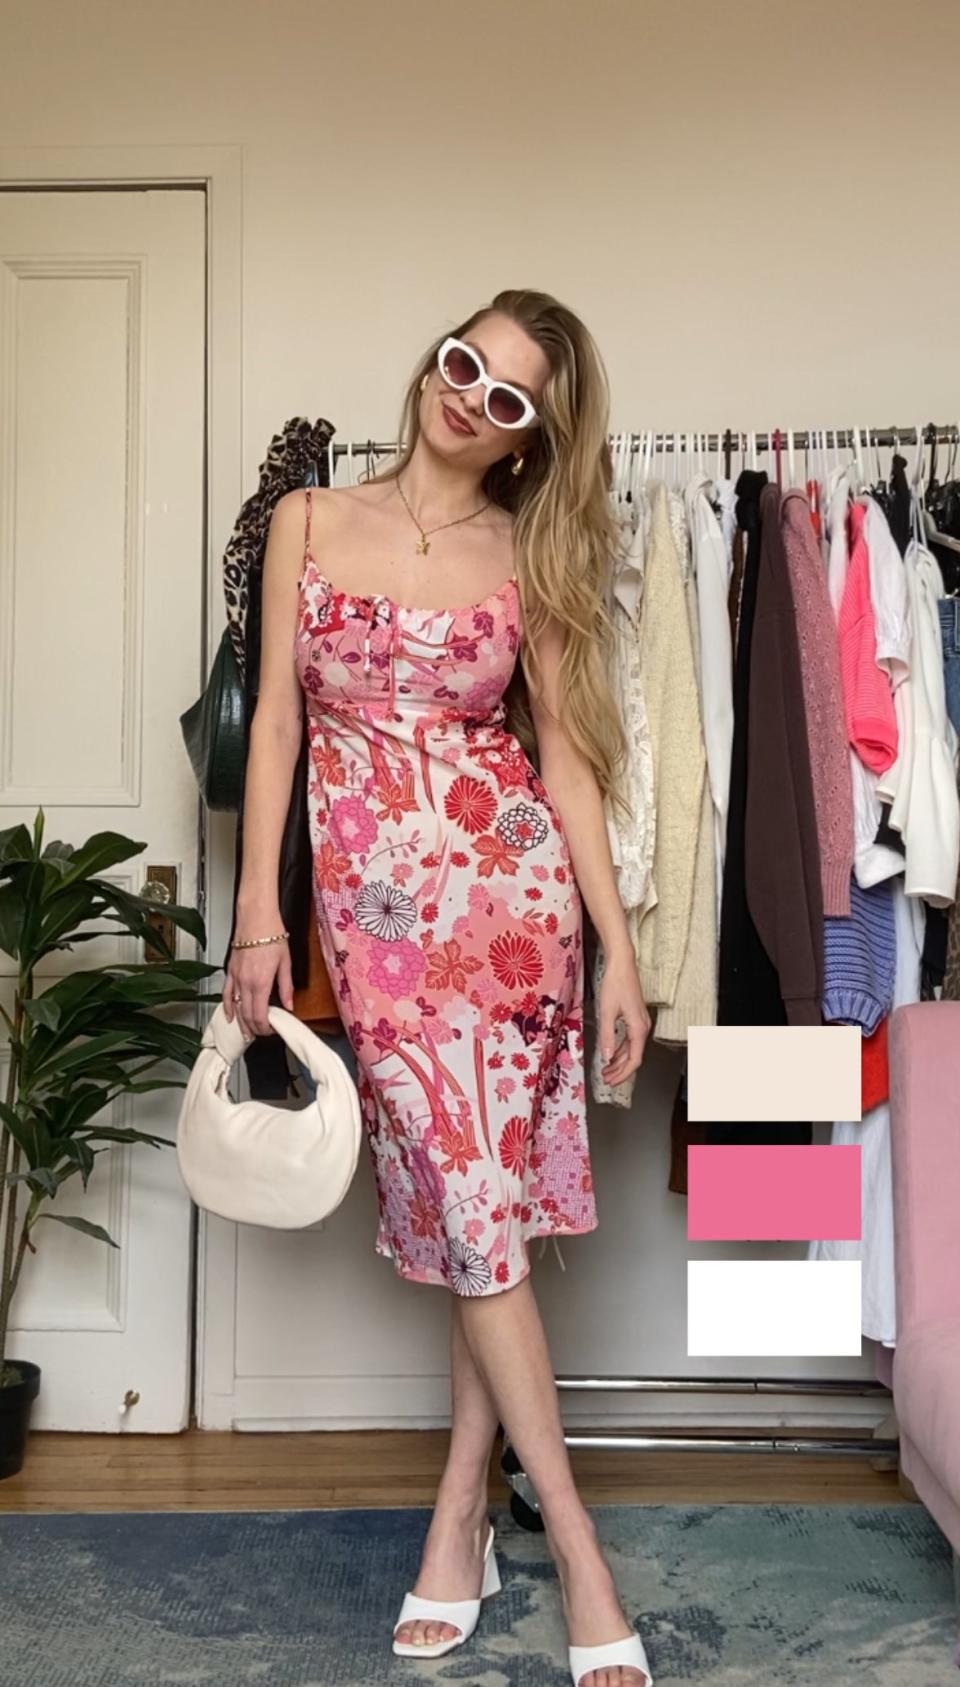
746, 1308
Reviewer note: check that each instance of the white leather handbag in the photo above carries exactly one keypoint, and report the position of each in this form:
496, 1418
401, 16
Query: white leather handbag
257, 1163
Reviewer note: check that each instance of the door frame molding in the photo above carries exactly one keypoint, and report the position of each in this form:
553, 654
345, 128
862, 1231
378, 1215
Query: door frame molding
217, 171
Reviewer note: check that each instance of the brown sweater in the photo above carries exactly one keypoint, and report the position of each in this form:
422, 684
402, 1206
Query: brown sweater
782, 858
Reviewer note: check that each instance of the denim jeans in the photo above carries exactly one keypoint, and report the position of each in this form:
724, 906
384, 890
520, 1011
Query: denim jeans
341, 1045
948, 609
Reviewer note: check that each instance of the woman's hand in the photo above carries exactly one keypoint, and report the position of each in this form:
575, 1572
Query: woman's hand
251, 972
620, 997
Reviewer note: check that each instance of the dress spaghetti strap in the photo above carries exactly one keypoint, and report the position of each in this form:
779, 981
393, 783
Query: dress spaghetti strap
306, 537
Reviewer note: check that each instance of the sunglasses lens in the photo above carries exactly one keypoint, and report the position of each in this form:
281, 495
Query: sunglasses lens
460, 368
505, 406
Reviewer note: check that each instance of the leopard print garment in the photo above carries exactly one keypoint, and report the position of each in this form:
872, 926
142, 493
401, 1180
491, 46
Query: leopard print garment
297, 456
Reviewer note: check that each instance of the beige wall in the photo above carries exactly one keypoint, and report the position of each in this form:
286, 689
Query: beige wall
735, 196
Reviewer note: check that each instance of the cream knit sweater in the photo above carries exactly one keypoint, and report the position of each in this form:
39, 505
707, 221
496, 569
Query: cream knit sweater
695, 1001
679, 760
681, 794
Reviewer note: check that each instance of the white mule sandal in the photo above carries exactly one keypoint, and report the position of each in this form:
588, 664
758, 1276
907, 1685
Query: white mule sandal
627, 1652
460, 1613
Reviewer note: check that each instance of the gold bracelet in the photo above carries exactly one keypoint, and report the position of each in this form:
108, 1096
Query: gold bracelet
253, 942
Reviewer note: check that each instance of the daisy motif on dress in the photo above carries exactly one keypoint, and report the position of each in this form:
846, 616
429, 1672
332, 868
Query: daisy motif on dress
384, 911
469, 1271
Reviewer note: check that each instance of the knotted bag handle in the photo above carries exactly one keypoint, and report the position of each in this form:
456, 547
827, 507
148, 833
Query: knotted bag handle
226, 1036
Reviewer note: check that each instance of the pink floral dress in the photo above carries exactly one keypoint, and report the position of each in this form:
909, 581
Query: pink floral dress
451, 926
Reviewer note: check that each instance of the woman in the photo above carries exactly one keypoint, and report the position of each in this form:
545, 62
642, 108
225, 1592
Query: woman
448, 875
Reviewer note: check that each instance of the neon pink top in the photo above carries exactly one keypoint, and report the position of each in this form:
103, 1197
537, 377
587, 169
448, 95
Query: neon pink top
867, 697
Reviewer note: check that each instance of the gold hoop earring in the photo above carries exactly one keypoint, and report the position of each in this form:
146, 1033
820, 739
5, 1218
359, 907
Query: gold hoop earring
423, 383
517, 466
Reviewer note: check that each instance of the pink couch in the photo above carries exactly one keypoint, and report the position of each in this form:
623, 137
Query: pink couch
924, 1045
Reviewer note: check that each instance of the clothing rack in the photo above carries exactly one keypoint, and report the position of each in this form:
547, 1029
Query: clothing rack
878, 1447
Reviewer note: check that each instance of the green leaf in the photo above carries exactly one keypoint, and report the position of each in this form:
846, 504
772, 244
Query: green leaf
12, 915
137, 910
95, 1230
81, 1157
30, 1132
16, 846
118, 1133
41, 1179
66, 909
7, 1114
43, 1010
102, 849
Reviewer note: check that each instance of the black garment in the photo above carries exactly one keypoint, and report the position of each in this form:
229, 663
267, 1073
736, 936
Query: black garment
748, 987
933, 962
898, 509
297, 457
886, 834
748, 990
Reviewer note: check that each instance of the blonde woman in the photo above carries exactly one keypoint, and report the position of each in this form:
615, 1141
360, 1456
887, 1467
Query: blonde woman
443, 624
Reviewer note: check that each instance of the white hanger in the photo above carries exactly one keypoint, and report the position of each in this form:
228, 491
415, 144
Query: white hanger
874, 447
331, 463
858, 458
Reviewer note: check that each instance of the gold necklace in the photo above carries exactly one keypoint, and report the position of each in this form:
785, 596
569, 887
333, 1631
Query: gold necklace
424, 544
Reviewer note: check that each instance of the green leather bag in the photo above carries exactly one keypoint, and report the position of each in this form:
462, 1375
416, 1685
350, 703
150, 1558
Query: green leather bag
214, 731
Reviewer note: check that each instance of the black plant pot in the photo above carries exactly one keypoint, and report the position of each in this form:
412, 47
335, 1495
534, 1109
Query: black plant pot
15, 1404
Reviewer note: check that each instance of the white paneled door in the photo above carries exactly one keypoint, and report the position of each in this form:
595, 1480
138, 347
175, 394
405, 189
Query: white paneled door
102, 332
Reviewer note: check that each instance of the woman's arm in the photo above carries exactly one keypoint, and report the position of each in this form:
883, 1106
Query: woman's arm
275, 739
572, 786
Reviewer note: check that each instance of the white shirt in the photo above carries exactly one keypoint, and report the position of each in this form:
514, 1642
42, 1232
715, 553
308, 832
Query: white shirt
923, 780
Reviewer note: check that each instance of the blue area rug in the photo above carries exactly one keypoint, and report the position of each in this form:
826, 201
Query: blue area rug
723, 1595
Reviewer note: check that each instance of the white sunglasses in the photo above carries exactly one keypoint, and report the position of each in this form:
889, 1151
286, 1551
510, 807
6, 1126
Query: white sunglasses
461, 367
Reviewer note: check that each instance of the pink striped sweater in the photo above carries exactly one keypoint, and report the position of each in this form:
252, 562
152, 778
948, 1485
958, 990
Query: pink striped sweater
822, 701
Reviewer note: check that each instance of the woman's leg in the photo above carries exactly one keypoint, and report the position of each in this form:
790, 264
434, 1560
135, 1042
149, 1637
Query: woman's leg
509, 1348
452, 1562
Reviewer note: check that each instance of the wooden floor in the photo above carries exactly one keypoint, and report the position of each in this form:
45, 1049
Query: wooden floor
211, 1471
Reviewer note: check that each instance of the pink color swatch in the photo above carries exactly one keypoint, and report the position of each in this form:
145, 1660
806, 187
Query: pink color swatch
780, 1192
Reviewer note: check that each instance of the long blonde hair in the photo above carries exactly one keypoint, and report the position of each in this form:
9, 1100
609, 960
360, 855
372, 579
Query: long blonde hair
564, 530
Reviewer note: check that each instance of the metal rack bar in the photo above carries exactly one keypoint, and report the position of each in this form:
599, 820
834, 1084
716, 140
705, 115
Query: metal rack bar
946, 433
865, 1386
881, 1449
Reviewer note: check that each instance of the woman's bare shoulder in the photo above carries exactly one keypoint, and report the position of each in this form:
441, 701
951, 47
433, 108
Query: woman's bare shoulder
329, 505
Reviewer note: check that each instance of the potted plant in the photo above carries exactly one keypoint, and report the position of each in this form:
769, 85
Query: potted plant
74, 1047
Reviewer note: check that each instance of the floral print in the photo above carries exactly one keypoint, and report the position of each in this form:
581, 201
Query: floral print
451, 925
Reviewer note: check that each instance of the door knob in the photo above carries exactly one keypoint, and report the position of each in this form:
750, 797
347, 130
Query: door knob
160, 888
